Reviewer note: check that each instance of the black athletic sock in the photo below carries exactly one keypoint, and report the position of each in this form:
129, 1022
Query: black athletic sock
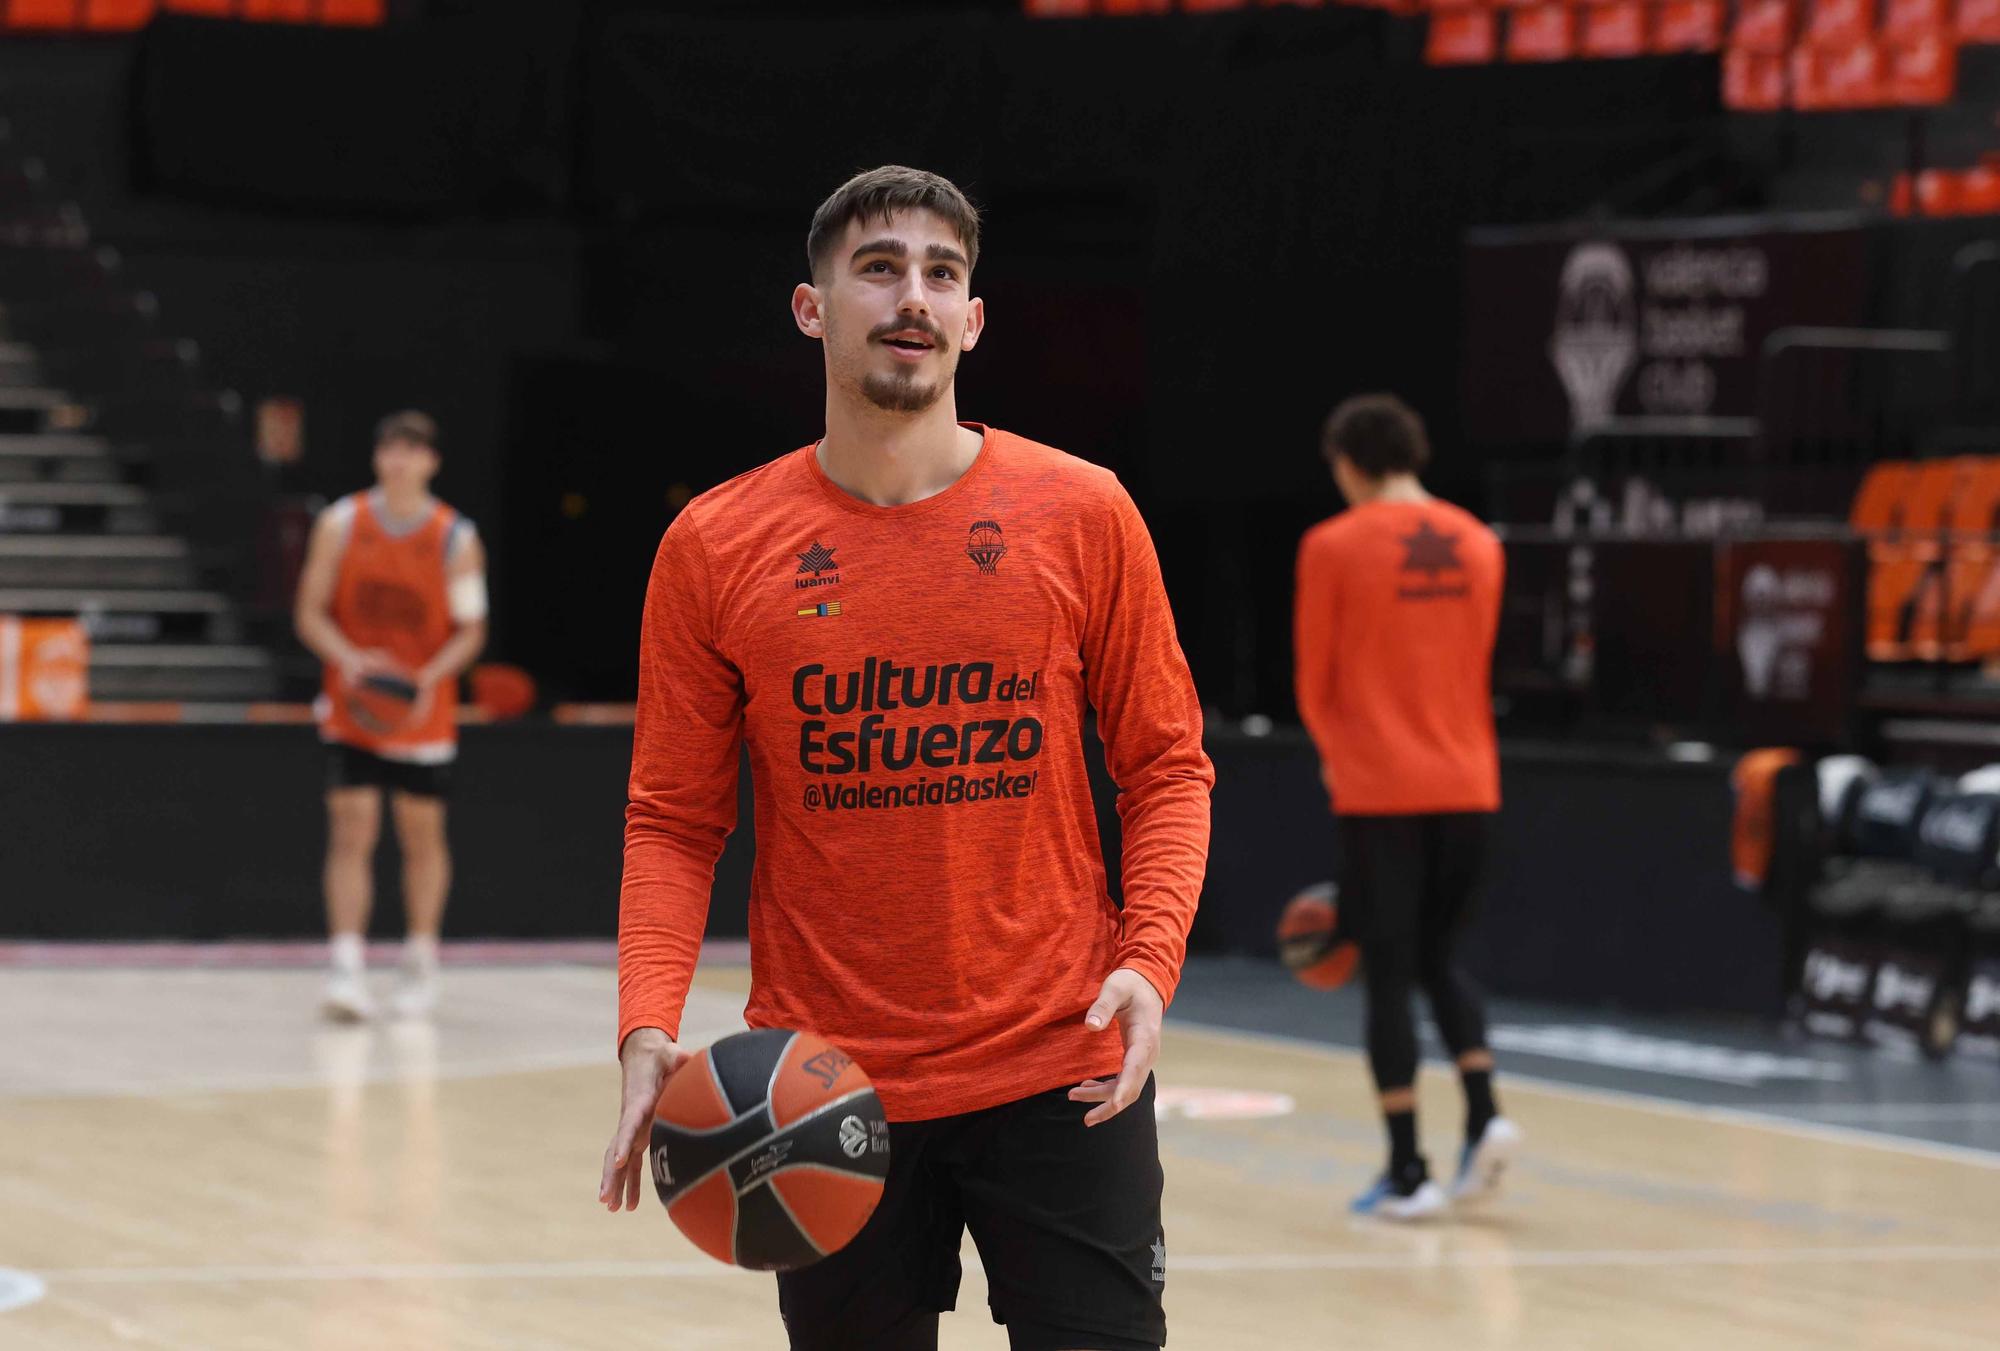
1404, 1161
1479, 1105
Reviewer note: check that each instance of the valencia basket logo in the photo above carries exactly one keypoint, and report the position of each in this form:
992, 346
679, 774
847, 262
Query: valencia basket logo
984, 545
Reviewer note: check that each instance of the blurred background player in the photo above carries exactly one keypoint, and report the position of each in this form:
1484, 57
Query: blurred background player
393, 600
929, 893
1397, 603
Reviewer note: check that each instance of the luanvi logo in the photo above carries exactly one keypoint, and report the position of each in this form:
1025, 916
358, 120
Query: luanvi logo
818, 561
1431, 553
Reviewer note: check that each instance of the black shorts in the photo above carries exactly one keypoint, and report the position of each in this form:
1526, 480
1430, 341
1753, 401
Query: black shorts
1066, 1218
352, 767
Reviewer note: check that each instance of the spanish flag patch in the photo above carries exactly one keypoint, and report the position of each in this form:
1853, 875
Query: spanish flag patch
824, 610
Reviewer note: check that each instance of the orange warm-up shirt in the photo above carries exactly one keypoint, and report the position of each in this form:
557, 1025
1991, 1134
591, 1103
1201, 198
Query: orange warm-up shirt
911, 684
1395, 612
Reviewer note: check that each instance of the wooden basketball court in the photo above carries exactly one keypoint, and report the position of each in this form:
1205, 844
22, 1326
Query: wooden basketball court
192, 1161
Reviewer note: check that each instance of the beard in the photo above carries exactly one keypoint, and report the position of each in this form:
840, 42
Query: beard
900, 393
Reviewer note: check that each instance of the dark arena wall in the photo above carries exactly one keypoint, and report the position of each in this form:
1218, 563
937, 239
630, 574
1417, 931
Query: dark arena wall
1596, 894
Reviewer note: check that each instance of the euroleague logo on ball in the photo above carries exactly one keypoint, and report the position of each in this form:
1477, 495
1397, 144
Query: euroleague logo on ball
853, 1137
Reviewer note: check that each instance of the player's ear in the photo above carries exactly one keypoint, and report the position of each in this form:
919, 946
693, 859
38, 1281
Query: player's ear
975, 324
808, 310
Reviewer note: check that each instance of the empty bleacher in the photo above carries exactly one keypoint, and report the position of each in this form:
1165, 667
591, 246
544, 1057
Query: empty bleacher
108, 442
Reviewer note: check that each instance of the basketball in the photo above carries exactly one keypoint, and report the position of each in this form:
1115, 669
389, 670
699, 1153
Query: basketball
1309, 940
382, 703
769, 1149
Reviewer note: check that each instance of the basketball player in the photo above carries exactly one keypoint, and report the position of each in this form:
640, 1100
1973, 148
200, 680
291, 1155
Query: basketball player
1398, 599
393, 600
904, 623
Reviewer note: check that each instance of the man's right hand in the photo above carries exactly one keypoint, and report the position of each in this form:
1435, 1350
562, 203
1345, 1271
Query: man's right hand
648, 1056
364, 662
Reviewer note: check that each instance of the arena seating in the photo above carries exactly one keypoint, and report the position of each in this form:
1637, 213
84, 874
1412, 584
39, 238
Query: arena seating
104, 429
113, 16
1934, 571
1811, 55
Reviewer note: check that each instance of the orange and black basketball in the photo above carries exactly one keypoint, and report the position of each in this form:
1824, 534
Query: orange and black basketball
382, 703
769, 1149
1310, 942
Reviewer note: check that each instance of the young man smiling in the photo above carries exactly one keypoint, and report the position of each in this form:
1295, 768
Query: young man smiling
904, 622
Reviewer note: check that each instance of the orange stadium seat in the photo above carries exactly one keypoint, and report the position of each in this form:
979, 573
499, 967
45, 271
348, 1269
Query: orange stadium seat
1688, 26
43, 14
1906, 569
1838, 23
1541, 33
1462, 37
1908, 20
1978, 20
280, 11
1923, 70
1613, 29
361, 13
1937, 192
1979, 189
1902, 195
1064, 9
1971, 560
1849, 77
1878, 503
1981, 639
216, 9
117, 15
1753, 81
1763, 26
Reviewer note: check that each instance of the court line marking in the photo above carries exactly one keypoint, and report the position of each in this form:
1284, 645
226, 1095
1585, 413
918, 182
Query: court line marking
1895, 1111
1821, 1132
19, 1288
1480, 1258
285, 954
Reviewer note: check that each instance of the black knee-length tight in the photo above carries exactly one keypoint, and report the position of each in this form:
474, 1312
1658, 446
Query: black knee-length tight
1407, 885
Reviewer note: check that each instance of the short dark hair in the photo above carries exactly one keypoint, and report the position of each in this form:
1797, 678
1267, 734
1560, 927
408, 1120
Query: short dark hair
408, 425
1379, 434
879, 194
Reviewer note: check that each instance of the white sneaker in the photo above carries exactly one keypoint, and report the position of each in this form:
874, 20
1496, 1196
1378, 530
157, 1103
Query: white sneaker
1384, 1201
1484, 1161
347, 999
416, 995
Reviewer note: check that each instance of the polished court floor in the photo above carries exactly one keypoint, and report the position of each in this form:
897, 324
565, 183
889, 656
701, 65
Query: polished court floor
189, 1160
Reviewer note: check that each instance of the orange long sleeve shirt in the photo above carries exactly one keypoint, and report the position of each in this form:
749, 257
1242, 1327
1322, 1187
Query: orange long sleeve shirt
911, 683
1395, 615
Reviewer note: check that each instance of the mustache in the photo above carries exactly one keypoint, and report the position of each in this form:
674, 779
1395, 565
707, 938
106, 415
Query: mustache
923, 326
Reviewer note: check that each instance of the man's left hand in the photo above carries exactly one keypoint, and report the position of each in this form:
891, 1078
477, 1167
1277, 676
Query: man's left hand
1131, 1000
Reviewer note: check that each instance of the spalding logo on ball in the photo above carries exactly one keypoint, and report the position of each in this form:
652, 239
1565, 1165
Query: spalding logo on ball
1309, 939
769, 1149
